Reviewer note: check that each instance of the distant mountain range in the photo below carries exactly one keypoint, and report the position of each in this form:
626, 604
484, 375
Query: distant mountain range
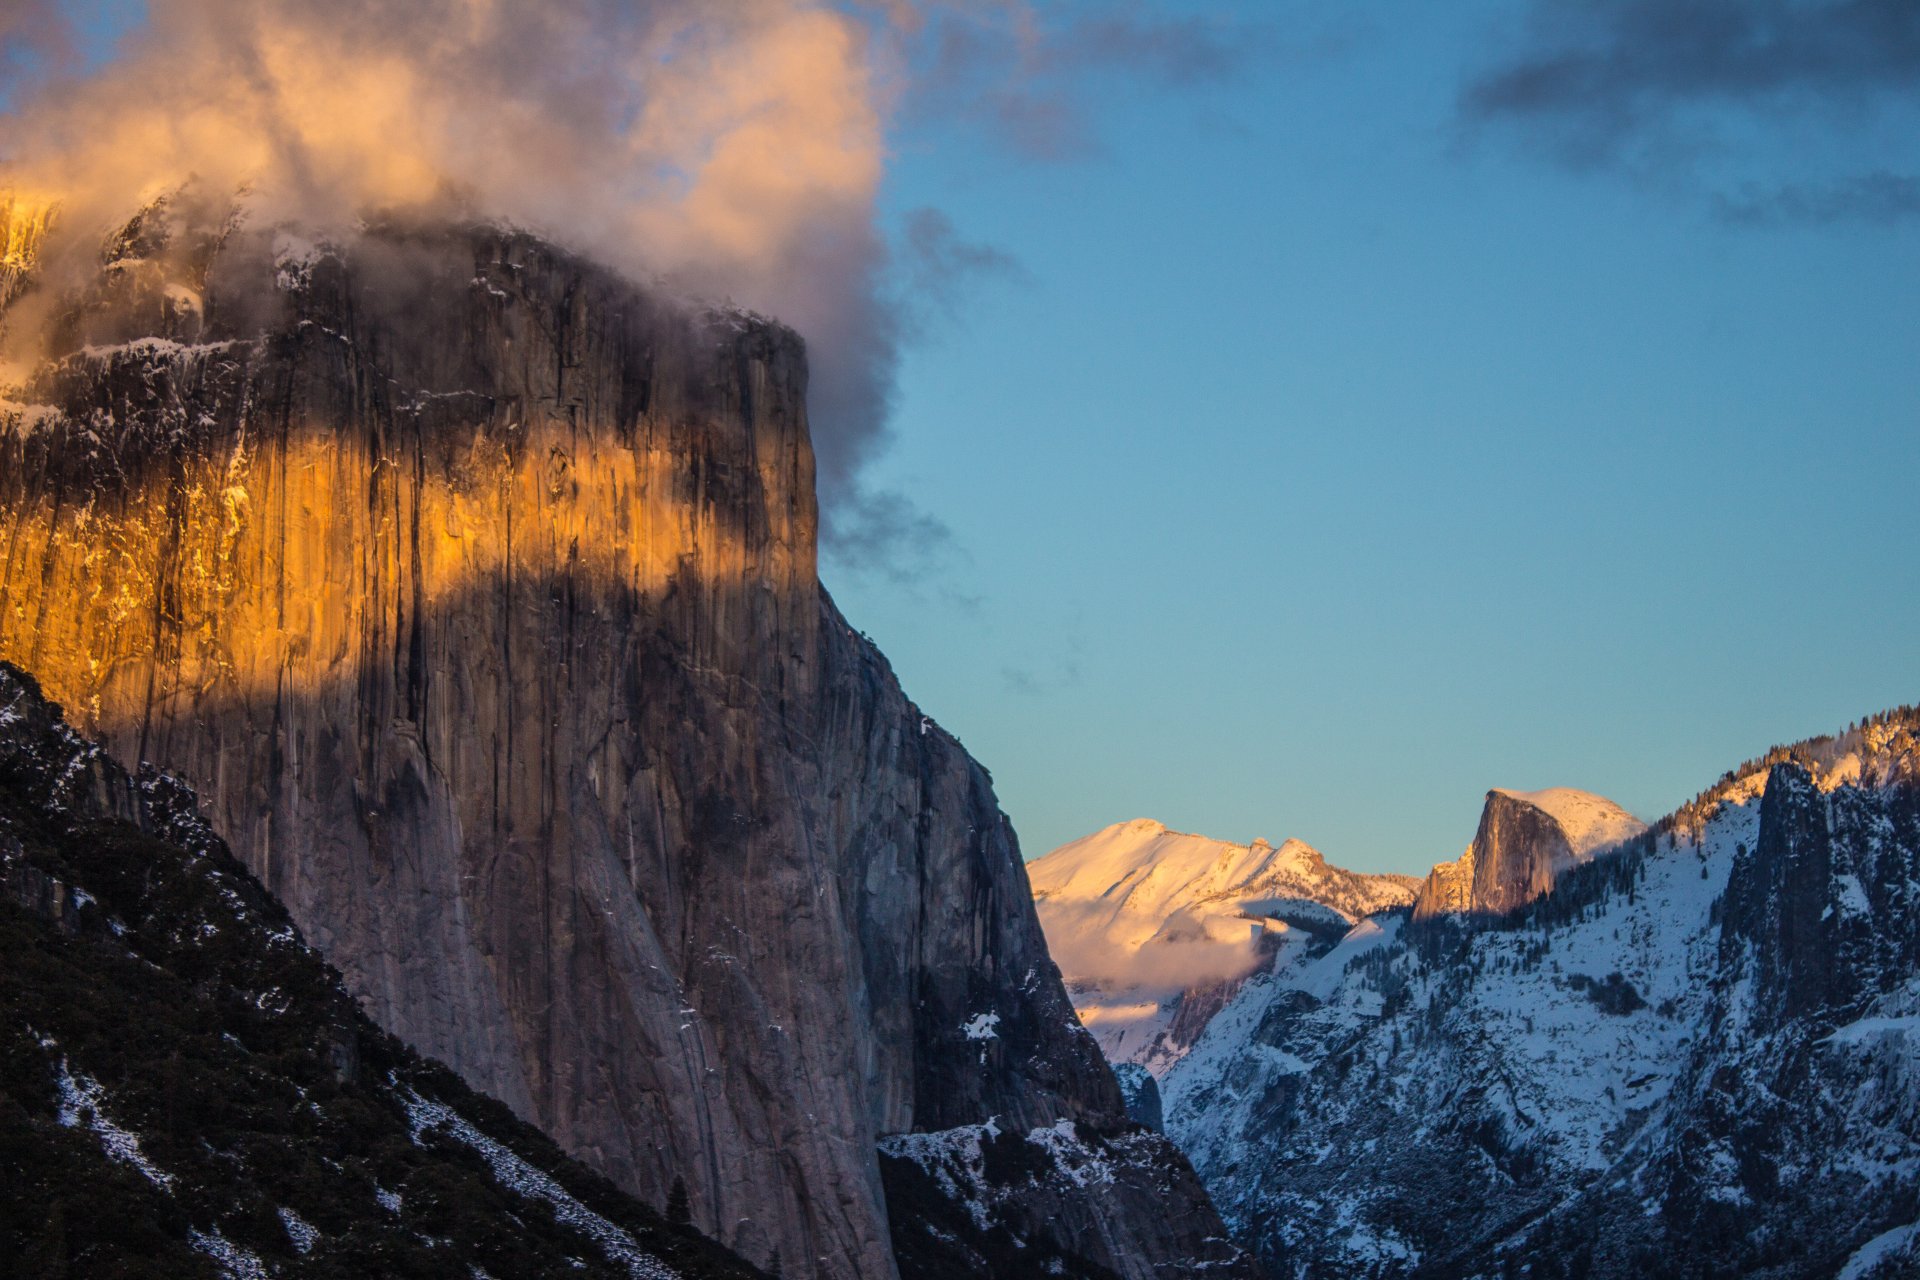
1155, 929
1587, 1049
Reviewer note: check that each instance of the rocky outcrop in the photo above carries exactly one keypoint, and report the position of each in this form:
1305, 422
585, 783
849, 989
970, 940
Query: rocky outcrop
1525, 841
1516, 853
475, 591
1821, 914
23, 227
1448, 888
1142, 1093
1691, 1057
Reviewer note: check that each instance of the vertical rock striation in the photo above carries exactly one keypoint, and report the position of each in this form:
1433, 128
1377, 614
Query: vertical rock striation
474, 589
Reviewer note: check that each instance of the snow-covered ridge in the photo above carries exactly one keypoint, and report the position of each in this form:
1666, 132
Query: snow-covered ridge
1142, 919
17, 418
956, 1160
522, 1178
83, 1102
1699, 1046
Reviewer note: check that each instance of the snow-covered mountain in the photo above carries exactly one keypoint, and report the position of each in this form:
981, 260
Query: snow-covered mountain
1155, 929
1526, 841
1693, 1056
1591, 822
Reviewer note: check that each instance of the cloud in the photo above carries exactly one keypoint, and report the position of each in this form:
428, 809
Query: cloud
1879, 198
1022, 681
1179, 952
731, 149
1595, 76
879, 531
999, 65
1180, 51
1033, 684
36, 39
727, 148
1064, 672
936, 267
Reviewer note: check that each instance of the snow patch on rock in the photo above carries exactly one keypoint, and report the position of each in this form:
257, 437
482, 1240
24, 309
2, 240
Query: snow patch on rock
82, 1103
523, 1179
234, 1261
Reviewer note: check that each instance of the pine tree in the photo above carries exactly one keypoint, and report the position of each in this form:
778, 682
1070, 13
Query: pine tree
679, 1213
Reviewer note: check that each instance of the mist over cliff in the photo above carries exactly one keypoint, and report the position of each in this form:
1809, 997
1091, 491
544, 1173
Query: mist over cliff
734, 150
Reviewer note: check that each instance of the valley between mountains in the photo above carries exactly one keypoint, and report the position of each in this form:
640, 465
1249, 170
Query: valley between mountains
447, 829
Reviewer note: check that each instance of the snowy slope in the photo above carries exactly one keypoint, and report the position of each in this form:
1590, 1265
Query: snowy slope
1152, 928
1693, 1057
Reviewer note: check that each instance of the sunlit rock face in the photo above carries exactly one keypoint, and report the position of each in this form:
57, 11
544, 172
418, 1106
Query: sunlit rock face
475, 591
1526, 839
23, 226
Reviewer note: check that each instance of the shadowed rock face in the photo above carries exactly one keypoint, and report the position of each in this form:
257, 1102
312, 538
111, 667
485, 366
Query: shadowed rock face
238, 1103
1820, 915
475, 592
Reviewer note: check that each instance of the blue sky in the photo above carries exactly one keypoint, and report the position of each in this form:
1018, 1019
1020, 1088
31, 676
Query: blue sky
1334, 456
1353, 406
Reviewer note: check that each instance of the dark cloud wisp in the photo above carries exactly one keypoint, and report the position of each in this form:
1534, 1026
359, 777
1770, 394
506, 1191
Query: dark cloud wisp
1593, 73
1880, 197
1025, 80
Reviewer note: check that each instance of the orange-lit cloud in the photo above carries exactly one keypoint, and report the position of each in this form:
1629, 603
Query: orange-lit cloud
716, 131
733, 147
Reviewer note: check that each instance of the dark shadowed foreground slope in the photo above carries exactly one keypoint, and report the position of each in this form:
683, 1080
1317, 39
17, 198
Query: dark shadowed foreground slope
186, 1090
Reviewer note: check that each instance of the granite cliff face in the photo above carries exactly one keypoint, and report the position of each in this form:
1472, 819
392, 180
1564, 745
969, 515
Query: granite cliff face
1525, 841
474, 590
